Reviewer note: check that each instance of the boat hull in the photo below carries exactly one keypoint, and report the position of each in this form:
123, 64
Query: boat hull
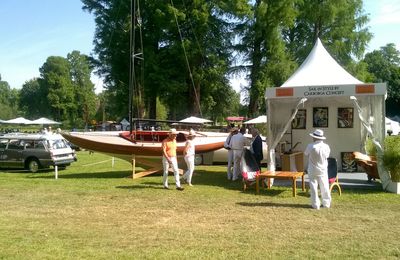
120, 143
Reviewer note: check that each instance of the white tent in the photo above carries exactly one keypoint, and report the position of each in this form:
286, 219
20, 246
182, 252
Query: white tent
392, 125
323, 95
257, 120
44, 121
18, 121
195, 120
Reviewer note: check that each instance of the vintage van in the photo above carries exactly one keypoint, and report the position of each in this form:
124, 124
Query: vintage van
35, 151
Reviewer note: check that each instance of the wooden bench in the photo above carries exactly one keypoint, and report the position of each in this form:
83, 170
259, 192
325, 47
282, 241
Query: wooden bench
285, 175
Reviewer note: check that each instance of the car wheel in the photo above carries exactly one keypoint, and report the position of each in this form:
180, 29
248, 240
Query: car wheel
33, 165
198, 159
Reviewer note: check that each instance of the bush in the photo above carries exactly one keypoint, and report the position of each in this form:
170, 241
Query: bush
370, 148
391, 157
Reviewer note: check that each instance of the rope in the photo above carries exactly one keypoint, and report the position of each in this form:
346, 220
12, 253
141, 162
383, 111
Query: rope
187, 60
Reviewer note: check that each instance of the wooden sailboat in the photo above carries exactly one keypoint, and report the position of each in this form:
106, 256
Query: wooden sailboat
141, 143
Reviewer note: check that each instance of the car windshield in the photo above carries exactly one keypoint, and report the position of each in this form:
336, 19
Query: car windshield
58, 144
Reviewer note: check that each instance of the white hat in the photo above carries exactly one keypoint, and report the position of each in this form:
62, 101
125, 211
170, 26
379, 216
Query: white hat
173, 131
318, 134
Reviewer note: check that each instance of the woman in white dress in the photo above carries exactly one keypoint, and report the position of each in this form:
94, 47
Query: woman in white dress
189, 153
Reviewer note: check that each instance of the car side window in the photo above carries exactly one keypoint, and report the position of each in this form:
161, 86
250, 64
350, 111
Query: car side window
16, 145
38, 145
3, 144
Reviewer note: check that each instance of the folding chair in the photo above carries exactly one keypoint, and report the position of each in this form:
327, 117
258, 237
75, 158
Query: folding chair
332, 175
250, 169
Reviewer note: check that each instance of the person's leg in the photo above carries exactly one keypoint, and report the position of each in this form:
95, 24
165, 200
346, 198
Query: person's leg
186, 174
190, 163
174, 164
230, 164
325, 192
165, 172
315, 202
236, 164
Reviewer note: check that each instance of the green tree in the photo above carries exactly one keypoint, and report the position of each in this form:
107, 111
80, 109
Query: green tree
384, 64
84, 94
264, 50
180, 80
58, 87
8, 101
340, 24
33, 100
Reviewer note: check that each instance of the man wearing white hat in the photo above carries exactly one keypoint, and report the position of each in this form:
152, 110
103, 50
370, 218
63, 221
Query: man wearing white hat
169, 158
318, 153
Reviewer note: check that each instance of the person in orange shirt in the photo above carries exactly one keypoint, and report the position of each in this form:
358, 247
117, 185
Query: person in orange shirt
169, 158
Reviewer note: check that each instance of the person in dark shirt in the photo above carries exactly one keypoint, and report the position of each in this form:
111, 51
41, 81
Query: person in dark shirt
256, 146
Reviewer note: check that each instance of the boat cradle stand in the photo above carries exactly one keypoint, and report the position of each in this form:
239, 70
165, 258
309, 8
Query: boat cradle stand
153, 167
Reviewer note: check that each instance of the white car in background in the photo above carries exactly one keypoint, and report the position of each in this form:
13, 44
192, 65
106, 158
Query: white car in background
35, 151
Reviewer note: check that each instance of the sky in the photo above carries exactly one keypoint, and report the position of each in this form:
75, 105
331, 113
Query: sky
33, 30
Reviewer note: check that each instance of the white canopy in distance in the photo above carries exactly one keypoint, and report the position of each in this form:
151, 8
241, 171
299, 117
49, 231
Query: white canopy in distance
195, 120
24, 121
257, 120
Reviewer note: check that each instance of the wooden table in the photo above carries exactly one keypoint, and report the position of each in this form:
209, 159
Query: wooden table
280, 175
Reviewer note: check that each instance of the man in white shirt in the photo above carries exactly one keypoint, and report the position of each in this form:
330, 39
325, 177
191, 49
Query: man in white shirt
318, 153
228, 146
237, 144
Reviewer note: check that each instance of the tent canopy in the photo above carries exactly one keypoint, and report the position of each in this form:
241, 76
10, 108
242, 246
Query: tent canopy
320, 69
44, 121
195, 120
18, 121
257, 120
24, 121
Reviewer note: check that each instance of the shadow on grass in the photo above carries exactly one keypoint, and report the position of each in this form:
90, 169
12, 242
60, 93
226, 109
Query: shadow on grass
272, 204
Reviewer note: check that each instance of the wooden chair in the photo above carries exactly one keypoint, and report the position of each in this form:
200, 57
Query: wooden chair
332, 175
368, 163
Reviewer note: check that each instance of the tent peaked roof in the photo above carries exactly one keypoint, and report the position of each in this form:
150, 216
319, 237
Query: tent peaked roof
320, 69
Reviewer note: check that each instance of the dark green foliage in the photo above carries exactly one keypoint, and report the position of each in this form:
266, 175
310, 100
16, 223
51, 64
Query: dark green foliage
391, 157
8, 101
180, 80
384, 64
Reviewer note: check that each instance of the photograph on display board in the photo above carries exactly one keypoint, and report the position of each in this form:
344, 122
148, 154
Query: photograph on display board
299, 122
320, 117
345, 117
349, 164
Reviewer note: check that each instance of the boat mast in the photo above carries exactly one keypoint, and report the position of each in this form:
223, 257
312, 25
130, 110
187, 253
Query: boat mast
135, 23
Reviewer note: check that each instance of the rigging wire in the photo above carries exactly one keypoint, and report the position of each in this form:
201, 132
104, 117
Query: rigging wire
187, 60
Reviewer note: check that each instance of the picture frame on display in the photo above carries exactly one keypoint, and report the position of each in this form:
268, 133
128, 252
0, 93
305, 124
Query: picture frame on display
320, 116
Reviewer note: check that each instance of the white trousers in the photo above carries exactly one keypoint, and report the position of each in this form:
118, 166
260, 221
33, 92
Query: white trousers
230, 164
190, 168
237, 169
322, 181
174, 165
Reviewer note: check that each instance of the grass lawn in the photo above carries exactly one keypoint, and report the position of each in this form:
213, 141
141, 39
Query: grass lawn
93, 211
